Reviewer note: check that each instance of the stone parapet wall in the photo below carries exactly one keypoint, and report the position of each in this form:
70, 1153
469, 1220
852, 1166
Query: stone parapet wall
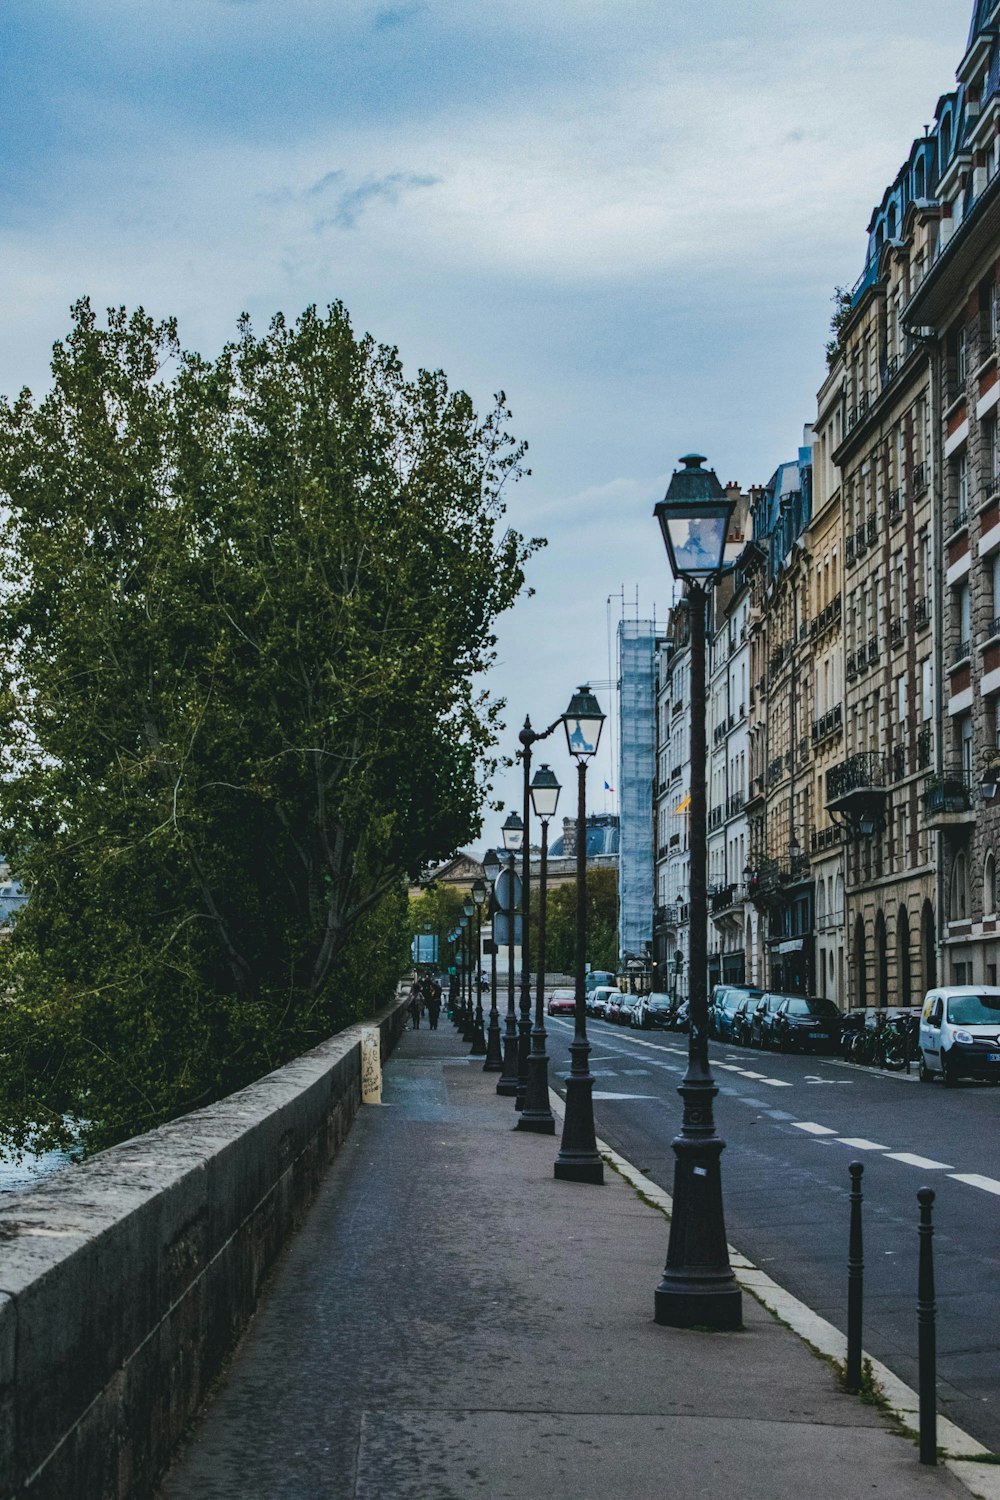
125, 1282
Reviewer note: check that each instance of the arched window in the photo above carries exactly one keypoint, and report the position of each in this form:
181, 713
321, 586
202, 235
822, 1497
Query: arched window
860, 963
959, 888
944, 143
989, 886
891, 222
928, 947
881, 963
919, 178
904, 976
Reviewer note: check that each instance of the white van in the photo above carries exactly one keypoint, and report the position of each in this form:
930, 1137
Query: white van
960, 1034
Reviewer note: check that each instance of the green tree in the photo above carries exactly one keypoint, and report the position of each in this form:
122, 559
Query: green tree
560, 924
244, 604
438, 907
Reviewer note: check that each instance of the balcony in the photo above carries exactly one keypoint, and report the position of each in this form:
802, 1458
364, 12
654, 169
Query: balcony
795, 867
824, 838
961, 654
857, 790
918, 481
715, 817
774, 771
897, 631
827, 724
765, 881
921, 614
734, 806
756, 788
925, 749
947, 796
896, 504
861, 541
871, 530
873, 649
849, 549
726, 898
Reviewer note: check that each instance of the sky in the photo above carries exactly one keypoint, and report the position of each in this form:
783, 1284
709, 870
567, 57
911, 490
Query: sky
630, 215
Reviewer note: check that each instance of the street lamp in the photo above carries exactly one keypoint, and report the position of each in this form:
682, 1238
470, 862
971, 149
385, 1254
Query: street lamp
537, 1113
698, 1287
513, 837
479, 894
578, 1160
494, 1057
468, 908
528, 738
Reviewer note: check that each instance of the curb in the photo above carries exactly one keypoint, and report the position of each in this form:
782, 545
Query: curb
981, 1480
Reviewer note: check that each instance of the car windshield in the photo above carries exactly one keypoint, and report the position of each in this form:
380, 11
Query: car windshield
657, 1002
564, 994
974, 1010
735, 998
802, 1006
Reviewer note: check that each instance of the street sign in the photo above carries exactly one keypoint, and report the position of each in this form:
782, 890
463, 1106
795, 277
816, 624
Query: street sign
502, 891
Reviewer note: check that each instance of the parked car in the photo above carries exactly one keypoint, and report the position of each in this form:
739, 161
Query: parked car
560, 1002
615, 1002
598, 998
627, 1010
742, 1018
681, 1021
762, 1020
960, 1034
726, 1001
654, 1010
803, 1022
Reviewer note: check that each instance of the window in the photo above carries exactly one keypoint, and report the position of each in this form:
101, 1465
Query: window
989, 452
995, 568
965, 741
961, 487
927, 689
963, 613
961, 357
989, 886
959, 892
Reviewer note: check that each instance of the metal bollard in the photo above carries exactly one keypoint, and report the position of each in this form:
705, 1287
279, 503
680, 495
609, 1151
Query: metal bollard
855, 1280
927, 1331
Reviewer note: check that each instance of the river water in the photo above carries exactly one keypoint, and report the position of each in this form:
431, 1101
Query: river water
16, 1177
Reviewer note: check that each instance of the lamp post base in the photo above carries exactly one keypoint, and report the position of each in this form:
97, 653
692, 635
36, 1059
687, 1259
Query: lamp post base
578, 1160
494, 1054
478, 1040
698, 1289
507, 1082
536, 1115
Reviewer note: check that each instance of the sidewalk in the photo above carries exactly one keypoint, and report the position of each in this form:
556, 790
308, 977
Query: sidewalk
451, 1323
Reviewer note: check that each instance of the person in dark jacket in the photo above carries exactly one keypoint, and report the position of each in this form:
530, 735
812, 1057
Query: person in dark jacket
433, 1003
416, 1004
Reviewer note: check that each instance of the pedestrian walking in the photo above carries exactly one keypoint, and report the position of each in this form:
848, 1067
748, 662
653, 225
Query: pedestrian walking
416, 1005
433, 1003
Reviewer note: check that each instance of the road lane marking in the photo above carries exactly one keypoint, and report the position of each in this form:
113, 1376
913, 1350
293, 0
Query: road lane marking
973, 1179
923, 1162
597, 1094
812, 1129
777, 1083
860, 1144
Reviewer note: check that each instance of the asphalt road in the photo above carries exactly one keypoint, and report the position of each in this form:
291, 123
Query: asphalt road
792, 1124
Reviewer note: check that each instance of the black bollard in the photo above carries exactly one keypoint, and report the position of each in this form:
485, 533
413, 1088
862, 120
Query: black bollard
855, 1280
927, 1331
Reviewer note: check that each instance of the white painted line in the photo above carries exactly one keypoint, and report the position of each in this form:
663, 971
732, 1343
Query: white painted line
860, 1144
777, 1083
747, 1074
811, 1129
973, 1179
923, 1162
597, 1094
981, 1480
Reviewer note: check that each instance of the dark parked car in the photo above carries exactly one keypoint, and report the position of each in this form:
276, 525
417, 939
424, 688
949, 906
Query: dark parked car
762, 1020
804, 1022
614, 1007
739, 1029
726, 1001
655, 1010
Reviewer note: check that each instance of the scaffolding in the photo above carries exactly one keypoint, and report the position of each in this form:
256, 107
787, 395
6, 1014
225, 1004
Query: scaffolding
636, 772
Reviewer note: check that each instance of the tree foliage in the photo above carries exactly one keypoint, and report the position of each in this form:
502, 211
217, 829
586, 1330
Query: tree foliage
842, 305
560, 924
244, 605
439, 907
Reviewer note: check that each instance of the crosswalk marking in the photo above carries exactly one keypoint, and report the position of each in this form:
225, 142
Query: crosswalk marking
811, 1128
909, 1159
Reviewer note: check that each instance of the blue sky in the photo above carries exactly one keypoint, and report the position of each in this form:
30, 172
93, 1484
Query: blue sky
628, 214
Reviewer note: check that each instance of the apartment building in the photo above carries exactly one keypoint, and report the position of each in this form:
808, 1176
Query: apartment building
779, 806
673, 781
955, 302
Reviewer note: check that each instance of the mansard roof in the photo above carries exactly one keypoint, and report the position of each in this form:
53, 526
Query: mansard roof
981, 12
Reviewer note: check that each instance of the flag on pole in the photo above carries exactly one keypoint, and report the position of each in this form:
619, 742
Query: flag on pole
684, 803
608, 787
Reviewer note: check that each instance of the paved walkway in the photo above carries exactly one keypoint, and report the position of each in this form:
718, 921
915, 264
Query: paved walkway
451, 1323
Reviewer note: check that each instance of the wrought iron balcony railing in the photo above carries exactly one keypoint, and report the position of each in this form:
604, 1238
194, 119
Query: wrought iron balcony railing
948, 791
864, 771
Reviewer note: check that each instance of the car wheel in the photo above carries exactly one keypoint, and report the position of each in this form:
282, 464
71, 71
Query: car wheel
948, 1075
924, 1073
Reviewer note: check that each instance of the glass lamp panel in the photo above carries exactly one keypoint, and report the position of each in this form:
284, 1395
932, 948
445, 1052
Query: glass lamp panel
696, 544
582, 735
468, 908
491, 866
545, 791
479, 892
